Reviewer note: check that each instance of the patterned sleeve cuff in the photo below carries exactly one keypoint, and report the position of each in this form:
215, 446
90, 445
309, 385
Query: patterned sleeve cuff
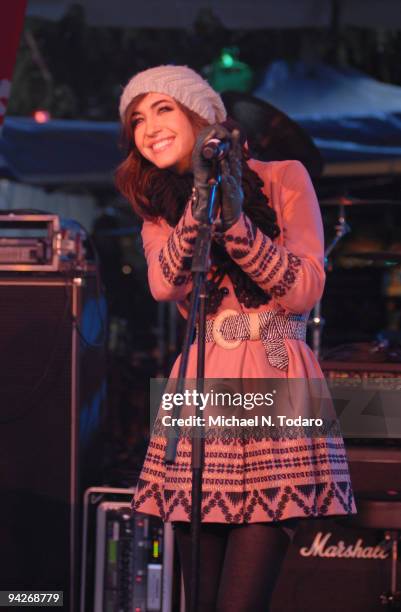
273, 268
175, 257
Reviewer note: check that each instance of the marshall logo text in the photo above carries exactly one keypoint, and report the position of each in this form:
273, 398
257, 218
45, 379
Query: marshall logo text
320, 548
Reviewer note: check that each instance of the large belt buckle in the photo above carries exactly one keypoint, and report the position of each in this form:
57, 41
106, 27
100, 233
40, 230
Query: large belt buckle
216, 330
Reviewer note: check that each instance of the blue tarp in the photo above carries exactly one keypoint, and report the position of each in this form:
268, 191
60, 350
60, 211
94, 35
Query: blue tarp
59, 151
307, 90
350, 116
354, 120
376, 137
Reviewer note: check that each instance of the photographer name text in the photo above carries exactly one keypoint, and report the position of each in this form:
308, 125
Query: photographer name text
233, 421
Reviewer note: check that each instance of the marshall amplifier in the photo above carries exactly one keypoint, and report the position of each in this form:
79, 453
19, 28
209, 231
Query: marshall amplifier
366, 397
332, 566
374, 451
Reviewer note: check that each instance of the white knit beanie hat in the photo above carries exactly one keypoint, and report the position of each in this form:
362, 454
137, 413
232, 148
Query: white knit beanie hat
182, 84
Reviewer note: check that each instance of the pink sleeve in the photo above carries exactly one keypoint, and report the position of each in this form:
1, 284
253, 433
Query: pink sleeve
168, 254
293, 272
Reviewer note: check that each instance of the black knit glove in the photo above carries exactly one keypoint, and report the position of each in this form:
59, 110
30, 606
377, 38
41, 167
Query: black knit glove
231, 184
231, 189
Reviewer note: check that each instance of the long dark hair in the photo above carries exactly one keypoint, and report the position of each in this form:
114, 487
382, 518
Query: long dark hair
155, 193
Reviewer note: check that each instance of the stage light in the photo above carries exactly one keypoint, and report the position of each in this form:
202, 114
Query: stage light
227, 60
41, 116
227, 72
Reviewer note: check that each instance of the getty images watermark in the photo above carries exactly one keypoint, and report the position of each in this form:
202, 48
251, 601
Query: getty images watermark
279, 407
242, 407
248, 401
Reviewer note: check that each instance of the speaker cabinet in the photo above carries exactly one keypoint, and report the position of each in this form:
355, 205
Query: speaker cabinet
52, 392
333, 566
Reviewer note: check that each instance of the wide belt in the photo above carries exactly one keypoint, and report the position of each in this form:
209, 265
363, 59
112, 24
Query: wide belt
230, 328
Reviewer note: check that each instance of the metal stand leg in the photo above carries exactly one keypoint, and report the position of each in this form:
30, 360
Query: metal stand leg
392, 599
168, 567
317, 323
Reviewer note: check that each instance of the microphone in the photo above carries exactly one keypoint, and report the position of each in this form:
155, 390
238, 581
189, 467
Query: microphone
214, 148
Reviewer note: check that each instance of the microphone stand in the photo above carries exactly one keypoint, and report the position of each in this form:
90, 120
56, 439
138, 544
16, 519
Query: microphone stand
199, 268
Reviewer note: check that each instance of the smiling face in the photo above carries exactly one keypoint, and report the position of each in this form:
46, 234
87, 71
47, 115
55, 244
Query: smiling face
163, 133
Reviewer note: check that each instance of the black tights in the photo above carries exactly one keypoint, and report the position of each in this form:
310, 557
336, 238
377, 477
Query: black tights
239, 564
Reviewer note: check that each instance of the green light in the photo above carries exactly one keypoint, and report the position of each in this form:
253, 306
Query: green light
155, 549
227, 60
227, 72
112, 551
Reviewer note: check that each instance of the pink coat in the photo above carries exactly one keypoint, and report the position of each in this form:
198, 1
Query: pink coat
251, 480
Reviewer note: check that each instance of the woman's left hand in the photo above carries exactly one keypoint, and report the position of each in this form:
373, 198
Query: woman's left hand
231, 184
